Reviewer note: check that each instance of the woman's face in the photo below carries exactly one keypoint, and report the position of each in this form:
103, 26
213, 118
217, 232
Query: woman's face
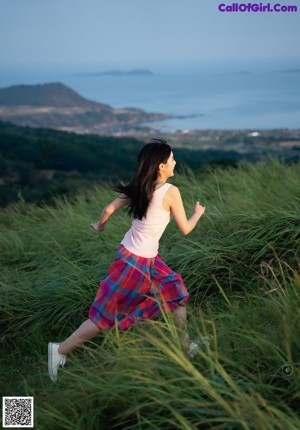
170, 165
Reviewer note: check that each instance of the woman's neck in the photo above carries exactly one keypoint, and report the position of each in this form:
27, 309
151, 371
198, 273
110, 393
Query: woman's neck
161, 179
158, 184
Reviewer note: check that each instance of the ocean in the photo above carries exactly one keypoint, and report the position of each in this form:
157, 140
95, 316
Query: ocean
253, 97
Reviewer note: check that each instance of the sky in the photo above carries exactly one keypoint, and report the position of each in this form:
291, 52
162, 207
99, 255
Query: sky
103, 34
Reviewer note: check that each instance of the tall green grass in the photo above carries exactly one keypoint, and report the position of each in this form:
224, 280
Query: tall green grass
241, 267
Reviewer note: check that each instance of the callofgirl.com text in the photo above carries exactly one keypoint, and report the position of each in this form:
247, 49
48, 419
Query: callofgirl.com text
257, 7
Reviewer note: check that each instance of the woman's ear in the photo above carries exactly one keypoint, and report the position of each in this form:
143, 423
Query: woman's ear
161, 166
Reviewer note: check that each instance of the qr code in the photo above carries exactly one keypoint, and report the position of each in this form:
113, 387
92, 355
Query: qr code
17, 412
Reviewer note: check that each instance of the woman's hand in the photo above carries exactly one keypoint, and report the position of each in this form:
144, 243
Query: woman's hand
97, 226
199, 210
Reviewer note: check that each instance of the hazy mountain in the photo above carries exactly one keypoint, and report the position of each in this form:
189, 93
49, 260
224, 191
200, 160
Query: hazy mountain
54, 94
54, 105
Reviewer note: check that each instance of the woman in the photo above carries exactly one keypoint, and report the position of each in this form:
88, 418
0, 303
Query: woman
138, 284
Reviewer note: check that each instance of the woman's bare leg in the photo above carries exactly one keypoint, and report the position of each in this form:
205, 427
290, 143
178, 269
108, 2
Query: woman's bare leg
88, 330
181, 324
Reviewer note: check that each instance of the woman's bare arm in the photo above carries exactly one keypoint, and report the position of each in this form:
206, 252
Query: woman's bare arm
176, 205
116, 204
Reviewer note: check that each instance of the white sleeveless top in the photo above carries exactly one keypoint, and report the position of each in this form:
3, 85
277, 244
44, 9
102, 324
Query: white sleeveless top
143, 237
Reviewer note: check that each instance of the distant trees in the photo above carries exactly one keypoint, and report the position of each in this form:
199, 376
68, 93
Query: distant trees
75, 161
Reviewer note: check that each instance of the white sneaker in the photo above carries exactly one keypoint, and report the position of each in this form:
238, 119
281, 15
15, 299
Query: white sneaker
54, 360
196, 345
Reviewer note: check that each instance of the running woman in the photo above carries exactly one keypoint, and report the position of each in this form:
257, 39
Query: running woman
138, 284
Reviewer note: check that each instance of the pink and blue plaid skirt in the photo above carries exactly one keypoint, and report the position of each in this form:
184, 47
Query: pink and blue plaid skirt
135, 288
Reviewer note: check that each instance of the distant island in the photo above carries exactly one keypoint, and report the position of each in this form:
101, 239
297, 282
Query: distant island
134, 72
291, 71
285, 71
54, 105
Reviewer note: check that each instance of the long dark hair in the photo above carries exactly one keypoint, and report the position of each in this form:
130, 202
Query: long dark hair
140, 189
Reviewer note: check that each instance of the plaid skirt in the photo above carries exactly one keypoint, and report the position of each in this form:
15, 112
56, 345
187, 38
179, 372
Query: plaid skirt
135, 288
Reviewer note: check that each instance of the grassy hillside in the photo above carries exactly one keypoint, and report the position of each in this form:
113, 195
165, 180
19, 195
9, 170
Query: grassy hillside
241, 267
